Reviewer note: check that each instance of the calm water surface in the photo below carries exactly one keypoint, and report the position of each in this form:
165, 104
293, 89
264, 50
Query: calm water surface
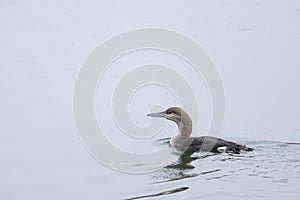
271, 170
255, 45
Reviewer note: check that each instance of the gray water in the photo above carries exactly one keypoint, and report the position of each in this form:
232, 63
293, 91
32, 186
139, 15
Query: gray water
271, 170
255, 46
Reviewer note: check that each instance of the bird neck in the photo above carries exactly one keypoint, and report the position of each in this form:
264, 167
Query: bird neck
185, 127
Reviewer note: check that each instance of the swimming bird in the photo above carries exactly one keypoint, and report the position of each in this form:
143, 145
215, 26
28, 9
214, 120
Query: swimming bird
182, 140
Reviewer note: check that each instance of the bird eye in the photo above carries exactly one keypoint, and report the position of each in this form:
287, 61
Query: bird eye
169, 112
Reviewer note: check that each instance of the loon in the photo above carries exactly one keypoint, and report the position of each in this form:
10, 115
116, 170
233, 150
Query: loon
182, 140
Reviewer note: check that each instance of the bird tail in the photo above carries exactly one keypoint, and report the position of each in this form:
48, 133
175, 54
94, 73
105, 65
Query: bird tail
245, 148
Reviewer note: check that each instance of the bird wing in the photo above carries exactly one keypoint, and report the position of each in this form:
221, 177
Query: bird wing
209, 143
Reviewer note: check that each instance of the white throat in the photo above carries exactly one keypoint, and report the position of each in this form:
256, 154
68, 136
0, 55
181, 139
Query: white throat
176, 139
185, 130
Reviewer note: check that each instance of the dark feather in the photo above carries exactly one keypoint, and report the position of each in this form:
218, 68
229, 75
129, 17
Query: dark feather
210, 144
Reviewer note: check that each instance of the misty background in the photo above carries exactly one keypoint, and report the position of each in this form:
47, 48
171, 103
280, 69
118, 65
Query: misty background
254, 44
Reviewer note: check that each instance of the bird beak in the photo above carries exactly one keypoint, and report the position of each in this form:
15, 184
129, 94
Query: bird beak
159, 114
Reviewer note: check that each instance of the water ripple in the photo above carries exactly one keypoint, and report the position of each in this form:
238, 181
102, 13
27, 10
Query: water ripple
271, 163
180, 189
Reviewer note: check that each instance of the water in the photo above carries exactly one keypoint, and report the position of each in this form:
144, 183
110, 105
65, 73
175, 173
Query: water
270, 171
255, 46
